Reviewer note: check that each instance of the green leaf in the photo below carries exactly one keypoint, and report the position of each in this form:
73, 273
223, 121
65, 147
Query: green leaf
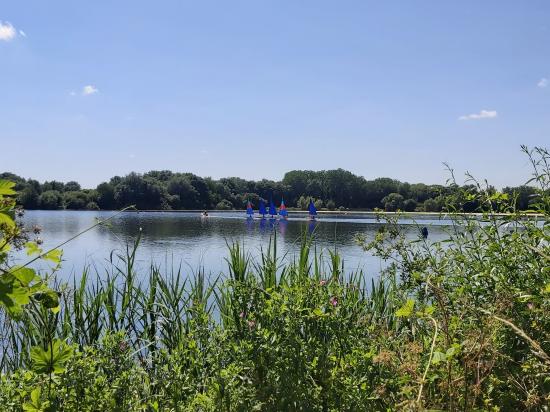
51, 360
318, 312
24, 275
53, 255
406, 310
438, 357
48, 298
6, 219
32, 248
13, 295
6, 187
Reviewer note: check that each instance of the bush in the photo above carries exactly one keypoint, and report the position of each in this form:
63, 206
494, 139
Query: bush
92, 206
409, 205
51, 200
224, 205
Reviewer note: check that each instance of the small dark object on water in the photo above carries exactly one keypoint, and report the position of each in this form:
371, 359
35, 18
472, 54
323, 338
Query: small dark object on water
424, 232
205, 214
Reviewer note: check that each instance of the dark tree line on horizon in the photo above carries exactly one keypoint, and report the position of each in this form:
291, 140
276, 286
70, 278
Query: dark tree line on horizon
329, 189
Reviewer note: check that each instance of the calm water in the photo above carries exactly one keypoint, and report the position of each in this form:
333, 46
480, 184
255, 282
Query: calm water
185, 238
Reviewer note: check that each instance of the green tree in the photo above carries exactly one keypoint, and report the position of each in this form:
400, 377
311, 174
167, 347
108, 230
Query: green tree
409, 205
51, 200
106, 196
75, 200
393, 202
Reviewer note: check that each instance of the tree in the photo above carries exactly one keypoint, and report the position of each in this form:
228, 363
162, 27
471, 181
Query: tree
72, 187
28, 198
53, 185
105, 196
393, 202
51, 200
144, 193
187, 196
432, 205
409, 205
75, 200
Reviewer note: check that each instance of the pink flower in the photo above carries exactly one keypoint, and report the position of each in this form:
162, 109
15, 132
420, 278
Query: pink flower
322, 283
242, 315
333, 301
530, 306
251, 324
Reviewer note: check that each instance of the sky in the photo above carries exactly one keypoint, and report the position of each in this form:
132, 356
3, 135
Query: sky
93, 89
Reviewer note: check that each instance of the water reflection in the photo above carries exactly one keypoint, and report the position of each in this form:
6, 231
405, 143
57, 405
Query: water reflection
186, 238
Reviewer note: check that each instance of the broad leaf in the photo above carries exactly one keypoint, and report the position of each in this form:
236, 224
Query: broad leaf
406, 310
51, 360
6, 187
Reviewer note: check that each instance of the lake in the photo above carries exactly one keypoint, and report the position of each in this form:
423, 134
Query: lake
186, 238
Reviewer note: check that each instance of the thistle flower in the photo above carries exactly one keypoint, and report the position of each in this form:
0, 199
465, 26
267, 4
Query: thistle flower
333, 301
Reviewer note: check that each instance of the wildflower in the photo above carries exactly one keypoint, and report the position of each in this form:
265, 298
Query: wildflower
530, 306
36, 229
242, 315
322, 283
251, 324
333, 301
39, 241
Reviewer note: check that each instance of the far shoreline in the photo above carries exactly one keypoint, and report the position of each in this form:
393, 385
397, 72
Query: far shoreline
365, 213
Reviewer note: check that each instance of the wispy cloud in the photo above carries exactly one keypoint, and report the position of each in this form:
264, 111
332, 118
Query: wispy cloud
7, 31
483, 114
543, 82
88, 90
22, 33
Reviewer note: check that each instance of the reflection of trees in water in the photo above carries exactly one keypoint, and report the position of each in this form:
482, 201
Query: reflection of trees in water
174, 227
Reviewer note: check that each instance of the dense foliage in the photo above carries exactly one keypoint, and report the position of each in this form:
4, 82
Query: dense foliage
330, 189
459, 324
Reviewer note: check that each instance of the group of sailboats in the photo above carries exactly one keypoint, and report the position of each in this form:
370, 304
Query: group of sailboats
282, 212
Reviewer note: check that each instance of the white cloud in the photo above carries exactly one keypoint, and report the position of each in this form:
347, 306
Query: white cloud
543, 82
88, 90
484, 114
7, 31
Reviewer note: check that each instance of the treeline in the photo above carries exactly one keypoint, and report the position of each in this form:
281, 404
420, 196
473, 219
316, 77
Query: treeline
331, 189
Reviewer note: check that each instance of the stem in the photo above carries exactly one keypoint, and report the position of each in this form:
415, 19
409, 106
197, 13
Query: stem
429, 361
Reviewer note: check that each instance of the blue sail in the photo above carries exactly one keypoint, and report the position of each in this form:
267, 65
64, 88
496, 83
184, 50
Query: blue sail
249, 210
312, 210
261, 208
272, 209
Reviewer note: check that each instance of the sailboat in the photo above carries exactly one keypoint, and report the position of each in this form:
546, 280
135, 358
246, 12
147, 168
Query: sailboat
261, 209
272, 209
249, 210
282, 210
312, 210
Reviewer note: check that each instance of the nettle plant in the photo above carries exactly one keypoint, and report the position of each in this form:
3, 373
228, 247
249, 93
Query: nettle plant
20, 285
22, 289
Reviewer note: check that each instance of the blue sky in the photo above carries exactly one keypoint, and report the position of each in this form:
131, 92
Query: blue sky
89, 90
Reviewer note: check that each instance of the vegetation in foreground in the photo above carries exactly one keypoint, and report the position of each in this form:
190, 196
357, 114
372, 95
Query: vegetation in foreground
462, 324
